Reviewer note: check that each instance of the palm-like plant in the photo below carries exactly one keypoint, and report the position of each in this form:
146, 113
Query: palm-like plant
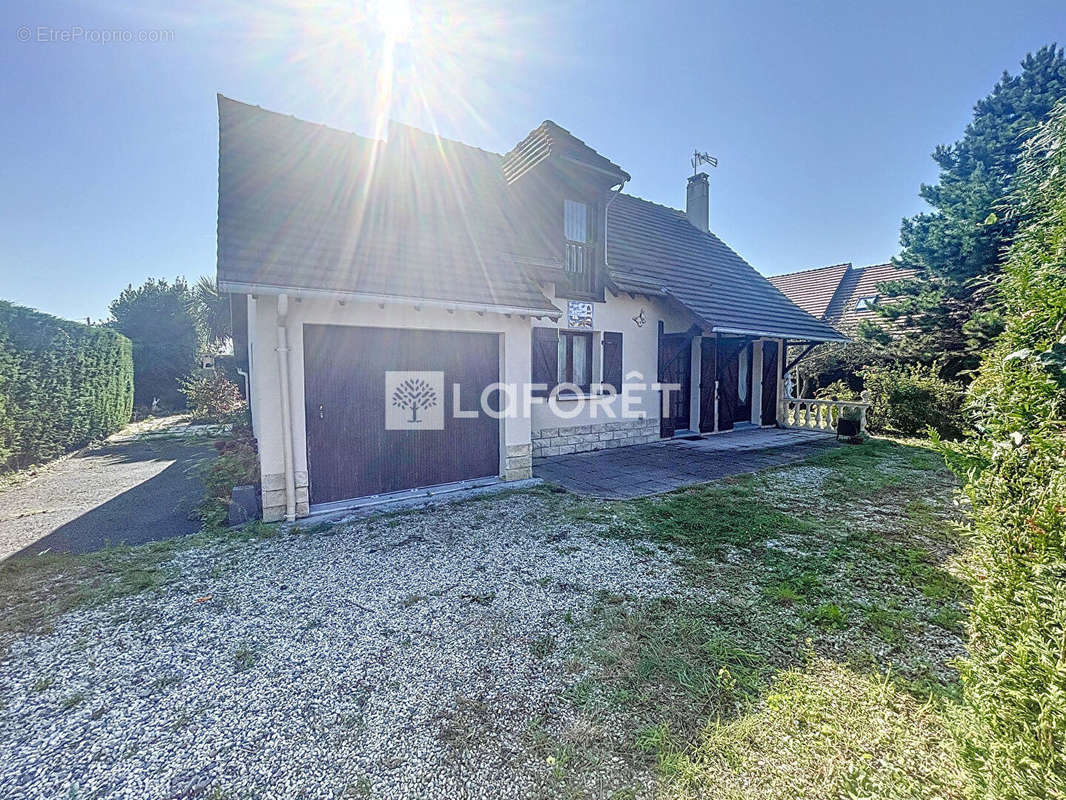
212, 311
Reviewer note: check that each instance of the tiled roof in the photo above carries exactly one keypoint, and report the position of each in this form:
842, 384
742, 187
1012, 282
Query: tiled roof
303, 206
858, 284
832, 293
549, 140
813, 289
306, 206
655, 248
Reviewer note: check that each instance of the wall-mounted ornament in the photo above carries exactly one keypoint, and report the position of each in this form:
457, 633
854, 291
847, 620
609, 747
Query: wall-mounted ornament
579, 314
640, 319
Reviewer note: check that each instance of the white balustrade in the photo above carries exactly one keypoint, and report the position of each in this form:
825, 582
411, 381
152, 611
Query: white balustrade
818, 415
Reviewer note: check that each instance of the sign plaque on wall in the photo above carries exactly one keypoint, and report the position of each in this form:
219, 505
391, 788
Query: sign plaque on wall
579, 314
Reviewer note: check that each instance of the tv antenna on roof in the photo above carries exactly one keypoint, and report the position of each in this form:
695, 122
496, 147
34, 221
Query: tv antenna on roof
702, 158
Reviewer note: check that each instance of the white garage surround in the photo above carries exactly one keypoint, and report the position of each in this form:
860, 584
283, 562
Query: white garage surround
278, 417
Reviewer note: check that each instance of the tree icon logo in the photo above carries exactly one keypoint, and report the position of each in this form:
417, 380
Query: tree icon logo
414, 400
414, 394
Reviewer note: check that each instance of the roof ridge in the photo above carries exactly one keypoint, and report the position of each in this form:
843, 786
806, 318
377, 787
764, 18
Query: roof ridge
814, 269
294, 118
438, 137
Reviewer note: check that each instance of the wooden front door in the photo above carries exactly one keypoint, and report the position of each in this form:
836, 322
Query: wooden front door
733, 405
349, 451
675, 367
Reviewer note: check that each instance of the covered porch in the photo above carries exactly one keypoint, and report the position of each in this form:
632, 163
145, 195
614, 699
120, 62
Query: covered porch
669, 464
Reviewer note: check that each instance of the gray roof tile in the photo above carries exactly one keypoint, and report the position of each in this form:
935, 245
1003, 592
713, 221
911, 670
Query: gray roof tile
306, 206
420, 217
831, 293
655, 247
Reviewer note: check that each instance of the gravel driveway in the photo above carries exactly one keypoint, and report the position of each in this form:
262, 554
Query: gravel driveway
131, 490
407, 656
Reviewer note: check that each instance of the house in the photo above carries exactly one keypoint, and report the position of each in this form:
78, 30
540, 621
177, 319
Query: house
416, 311
841, 294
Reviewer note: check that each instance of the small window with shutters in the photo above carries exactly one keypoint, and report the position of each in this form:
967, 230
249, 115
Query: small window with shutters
575, 359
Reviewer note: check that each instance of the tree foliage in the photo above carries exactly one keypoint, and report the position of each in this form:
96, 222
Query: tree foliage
1014, 468
956, 247
62, 384
158, 318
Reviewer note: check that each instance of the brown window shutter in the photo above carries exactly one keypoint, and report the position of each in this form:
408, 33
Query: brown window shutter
612, 360
545, 363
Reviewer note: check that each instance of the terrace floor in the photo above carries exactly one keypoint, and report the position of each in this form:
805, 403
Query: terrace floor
671, 464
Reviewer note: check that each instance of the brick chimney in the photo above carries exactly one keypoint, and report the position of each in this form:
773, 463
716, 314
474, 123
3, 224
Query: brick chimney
697, 203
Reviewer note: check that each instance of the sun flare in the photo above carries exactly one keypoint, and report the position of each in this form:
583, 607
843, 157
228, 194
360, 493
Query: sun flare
394, 17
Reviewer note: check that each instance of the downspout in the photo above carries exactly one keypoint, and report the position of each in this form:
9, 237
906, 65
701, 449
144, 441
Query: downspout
606, 211
286, 412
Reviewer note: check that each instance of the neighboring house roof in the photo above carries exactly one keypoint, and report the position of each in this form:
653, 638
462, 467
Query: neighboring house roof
813, 289
843, 293
303, 206
653, 247
306, 207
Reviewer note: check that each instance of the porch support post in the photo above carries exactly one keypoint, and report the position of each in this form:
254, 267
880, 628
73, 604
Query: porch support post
756, 381
782, 345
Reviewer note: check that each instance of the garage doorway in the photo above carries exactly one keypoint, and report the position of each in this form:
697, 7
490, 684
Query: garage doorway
351, 454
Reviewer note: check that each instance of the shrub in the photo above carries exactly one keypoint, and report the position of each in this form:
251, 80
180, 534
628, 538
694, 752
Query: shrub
1014, 468
834, 365
62, 384
212, 397
908, 400
837, 390
236, 464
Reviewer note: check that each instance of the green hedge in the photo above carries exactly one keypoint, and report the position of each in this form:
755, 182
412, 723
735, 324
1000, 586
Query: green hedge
62, 384
1014, 469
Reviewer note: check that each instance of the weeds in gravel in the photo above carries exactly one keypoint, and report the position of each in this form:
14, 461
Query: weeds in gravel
244, 657
71, 701
829, 615
34, 590
543, 646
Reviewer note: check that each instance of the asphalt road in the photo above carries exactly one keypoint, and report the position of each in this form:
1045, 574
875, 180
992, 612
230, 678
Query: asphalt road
131, 491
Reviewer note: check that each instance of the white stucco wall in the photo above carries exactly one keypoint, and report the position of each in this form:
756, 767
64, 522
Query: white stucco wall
514, 332
595, 420
640, 353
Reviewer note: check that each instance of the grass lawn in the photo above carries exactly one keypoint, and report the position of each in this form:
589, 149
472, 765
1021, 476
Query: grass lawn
807, 652
812, 655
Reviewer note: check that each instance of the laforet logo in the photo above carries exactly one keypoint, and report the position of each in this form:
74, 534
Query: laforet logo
415, 394
414, 400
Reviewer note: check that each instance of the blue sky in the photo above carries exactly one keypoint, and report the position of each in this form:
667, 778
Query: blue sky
822, 114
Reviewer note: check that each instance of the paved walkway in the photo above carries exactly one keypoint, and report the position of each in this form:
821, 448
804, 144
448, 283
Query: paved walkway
675, 463
131, 490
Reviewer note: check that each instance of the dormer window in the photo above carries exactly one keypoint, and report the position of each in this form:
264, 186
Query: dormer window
866, 303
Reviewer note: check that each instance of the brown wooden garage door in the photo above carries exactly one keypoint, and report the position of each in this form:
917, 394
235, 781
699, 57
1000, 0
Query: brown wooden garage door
350, 453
